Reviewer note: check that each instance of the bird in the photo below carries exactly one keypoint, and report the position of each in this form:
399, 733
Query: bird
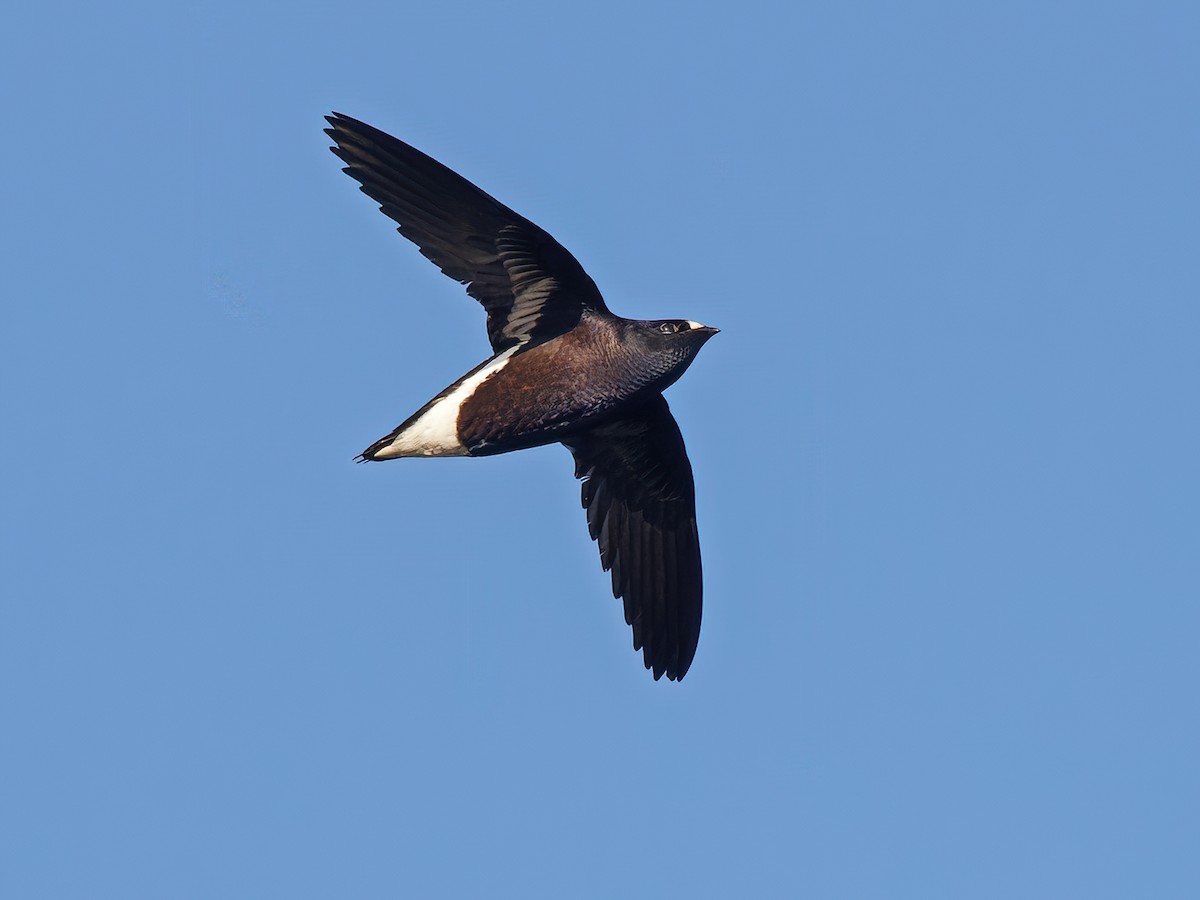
563, 369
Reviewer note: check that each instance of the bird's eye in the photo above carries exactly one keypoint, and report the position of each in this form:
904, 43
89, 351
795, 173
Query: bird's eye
668, 328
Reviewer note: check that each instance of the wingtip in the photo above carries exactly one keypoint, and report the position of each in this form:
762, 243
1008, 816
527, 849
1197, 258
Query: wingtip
340, 123
671, 672
344, 124
674, 669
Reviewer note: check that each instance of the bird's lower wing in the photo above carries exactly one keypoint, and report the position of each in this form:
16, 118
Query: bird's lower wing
641, 509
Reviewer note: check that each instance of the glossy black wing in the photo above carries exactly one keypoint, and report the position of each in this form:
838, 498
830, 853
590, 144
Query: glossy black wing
531, 286
641, 509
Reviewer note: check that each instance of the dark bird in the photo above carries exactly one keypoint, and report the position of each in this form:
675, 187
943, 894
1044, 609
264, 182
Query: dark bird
564, 369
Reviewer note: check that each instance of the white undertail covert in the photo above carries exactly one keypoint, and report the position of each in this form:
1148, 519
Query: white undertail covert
435, 433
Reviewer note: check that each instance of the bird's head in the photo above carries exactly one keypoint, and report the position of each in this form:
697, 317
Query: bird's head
693, 330
678, 334
671, 344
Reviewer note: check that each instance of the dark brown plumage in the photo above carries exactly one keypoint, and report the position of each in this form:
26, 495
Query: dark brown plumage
565, 370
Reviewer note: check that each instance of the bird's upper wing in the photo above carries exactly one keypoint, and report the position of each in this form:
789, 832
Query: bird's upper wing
641, 509
531, 286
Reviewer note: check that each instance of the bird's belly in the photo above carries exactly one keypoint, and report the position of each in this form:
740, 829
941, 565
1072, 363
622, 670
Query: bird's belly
523, 397
539, 398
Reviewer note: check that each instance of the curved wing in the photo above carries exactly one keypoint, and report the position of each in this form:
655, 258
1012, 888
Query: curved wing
531, 286
641, 509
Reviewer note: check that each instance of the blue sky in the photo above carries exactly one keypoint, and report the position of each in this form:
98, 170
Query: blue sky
945, 448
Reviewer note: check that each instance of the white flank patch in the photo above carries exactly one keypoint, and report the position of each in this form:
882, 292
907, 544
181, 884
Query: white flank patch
436, 432
692, 324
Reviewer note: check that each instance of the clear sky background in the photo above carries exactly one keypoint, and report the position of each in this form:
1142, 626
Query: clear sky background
946, 451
